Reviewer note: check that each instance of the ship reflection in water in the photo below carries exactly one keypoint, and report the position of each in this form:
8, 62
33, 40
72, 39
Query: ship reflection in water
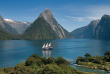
47, 50
47, 53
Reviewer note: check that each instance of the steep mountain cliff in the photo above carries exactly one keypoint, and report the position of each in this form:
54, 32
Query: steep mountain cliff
59, 30
86, 31
46, 27
103, 28
5, 27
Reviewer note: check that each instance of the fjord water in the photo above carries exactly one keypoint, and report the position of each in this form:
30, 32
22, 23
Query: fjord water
13, 52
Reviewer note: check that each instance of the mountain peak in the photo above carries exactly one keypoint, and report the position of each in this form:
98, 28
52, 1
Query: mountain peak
105, 16
47, 9
47, 14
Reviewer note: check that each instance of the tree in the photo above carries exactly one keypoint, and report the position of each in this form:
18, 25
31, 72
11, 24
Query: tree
87, 55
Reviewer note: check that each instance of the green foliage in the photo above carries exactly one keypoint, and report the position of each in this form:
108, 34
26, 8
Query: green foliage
50, 69
34, 59
107, 53
9, 70
107, 56
80, 59
51, 60
60, 60
6, 36
95, 62
41, 65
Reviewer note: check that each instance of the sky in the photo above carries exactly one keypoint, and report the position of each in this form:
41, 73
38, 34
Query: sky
71, 14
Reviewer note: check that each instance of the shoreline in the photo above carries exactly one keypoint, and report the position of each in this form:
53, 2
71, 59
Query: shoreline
90, 68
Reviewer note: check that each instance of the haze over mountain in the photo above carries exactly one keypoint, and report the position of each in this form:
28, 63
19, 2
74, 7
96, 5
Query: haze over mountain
86, 31
46, 27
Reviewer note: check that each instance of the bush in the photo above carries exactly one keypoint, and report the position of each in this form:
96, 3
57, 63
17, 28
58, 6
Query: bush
107, 53
80, 59
60, 60
9, 70
23, 70
51, 60
33, 60
44, 60
107, 56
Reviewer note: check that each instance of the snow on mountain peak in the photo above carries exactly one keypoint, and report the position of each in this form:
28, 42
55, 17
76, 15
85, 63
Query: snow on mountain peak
9, 20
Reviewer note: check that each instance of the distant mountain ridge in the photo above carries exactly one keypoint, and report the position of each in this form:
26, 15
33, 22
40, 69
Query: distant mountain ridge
5, 27
19, 26
97, 29
86, 31
13, 27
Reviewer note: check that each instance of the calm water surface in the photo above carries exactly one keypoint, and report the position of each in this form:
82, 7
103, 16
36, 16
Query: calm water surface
13, 52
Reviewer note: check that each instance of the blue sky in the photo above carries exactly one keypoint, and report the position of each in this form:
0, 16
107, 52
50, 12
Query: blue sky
71, 14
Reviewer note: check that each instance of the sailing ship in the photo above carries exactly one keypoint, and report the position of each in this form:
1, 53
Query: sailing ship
47, 46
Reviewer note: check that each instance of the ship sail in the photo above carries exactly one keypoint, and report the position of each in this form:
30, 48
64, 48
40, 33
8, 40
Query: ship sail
50, 44
43, 46
46, 45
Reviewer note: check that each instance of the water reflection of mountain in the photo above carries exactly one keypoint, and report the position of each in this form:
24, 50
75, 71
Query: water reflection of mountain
46, 53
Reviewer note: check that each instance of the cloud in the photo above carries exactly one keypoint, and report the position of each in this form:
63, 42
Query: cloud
98, 11
76, 18
79, 19
90, 13
93, 18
